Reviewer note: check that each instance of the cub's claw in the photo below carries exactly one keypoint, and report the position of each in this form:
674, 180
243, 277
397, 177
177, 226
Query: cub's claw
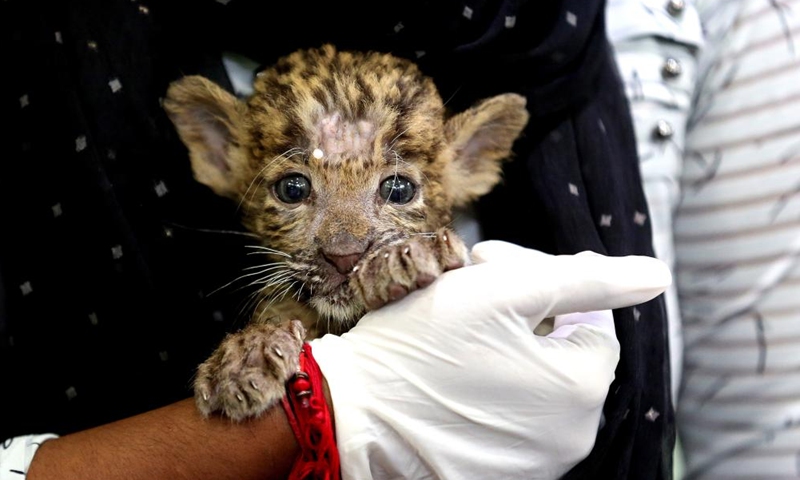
392, 272
246, 374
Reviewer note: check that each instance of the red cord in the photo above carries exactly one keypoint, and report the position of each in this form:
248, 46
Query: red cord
311, 423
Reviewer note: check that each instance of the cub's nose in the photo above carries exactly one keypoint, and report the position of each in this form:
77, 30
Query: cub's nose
344, 263
343, 250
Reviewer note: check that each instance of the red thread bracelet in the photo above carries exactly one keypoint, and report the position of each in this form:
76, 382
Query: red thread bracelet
311, 423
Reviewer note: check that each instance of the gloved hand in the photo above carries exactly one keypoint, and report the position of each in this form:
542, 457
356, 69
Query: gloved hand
450, 382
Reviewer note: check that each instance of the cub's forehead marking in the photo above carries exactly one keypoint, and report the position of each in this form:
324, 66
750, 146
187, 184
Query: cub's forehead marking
335, 137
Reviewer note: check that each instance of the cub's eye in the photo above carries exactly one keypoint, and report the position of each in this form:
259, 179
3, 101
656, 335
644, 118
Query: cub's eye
398, 190
293, 189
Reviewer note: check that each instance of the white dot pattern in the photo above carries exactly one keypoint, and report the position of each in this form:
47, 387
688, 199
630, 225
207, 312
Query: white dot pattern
71, 393
26, 288
80, 143
572, 19
161, 188
573, 189
115, 85
651, 415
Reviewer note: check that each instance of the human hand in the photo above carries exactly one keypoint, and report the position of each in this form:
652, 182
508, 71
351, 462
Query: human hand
450, 382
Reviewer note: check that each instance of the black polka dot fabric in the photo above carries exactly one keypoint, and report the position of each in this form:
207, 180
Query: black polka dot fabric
106, 268
110, 251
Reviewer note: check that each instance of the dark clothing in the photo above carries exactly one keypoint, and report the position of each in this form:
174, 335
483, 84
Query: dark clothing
106, 261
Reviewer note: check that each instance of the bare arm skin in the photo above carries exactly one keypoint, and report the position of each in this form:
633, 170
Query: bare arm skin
172, 443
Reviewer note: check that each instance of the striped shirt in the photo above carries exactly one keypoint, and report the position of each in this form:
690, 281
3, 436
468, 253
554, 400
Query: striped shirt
737, 239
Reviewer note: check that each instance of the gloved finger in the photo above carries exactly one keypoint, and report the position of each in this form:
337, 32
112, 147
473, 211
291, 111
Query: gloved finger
497, 250
590, 282
639, 283
538, 285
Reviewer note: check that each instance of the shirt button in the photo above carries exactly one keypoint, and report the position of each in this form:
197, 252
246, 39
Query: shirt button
663, 130
676, 7
671, 69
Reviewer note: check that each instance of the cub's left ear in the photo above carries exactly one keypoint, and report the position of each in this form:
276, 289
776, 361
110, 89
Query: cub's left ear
480, 139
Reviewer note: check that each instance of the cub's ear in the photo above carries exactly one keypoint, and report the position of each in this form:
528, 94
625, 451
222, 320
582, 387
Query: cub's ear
209, 121
480, 139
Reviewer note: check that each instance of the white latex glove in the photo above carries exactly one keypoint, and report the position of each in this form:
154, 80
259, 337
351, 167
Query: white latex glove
450, 382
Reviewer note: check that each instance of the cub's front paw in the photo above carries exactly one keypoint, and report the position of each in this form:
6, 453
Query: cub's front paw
246, 374
392, 272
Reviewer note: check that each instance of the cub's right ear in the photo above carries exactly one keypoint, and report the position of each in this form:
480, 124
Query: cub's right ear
209, 121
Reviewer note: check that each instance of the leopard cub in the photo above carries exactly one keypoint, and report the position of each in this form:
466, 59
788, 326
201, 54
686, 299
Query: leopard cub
347, 167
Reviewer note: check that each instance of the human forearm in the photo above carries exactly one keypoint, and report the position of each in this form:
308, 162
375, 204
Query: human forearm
174, 442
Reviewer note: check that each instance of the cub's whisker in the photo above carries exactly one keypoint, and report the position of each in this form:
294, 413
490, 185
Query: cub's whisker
287, 290
275, 282
275, 295
275, 266
299, 291
395, 139
213, 230
250, 303
267, 250
266, 266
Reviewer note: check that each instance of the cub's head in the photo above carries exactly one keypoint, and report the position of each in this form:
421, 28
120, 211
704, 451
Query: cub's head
340, 153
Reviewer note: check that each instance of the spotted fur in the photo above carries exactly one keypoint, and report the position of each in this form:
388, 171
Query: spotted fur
346, 122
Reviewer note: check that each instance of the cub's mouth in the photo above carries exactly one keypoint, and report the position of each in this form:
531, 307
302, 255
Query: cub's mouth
335, 288
340, 305
334, 294
319, 284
